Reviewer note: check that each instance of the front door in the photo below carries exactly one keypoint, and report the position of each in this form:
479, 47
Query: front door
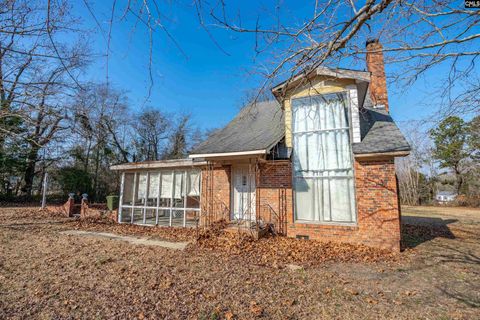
243, 193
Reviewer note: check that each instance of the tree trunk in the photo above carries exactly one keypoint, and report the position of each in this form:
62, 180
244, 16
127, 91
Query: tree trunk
95, 179
459, 179
29, 174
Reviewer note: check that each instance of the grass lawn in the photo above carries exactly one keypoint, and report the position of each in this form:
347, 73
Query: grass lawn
45, 274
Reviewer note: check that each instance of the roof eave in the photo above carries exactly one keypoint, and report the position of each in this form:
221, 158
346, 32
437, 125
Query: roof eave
390, 154
360, 76
228, 154
157, 165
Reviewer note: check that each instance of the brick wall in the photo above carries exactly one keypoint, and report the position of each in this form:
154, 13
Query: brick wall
378, 220
274, 193
215, 196
376, 197
378, 81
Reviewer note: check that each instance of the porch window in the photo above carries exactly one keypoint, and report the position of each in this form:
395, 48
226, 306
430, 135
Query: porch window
322, 159
163, 197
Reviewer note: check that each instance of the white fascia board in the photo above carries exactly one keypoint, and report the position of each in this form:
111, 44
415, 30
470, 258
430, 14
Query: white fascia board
227, 154
157, 165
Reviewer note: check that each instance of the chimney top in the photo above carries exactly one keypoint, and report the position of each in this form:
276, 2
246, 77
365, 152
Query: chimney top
378, 81
371, 41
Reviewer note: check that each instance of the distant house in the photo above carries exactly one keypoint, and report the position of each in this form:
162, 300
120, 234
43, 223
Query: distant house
317, 162
445, 196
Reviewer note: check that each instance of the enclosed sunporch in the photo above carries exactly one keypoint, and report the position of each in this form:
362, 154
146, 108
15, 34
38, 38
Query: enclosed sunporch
160, 195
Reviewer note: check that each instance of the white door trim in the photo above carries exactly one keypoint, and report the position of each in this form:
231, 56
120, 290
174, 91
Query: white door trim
247, 182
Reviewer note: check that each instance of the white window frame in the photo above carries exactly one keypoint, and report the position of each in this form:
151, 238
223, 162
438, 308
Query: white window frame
157, 208
350, 105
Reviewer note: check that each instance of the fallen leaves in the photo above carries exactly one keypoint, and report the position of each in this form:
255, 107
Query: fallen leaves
410, 293
352, 292
256, 309
222, 277
280, 252
229, 315
107, 225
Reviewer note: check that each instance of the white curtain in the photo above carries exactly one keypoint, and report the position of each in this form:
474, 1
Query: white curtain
142, 186
193, 183
322, 157
154, 185
179, 185
166, 186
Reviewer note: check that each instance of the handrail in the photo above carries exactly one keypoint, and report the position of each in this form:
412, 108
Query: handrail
277, 227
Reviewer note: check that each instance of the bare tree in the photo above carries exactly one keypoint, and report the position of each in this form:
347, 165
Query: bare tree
414, 171
101, 131
37, 75
417, 35
152, 130
180, 139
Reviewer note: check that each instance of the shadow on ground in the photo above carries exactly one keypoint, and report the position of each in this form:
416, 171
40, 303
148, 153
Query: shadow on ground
417, 230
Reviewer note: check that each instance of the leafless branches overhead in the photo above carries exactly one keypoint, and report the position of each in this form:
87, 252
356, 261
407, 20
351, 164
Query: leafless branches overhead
417, 36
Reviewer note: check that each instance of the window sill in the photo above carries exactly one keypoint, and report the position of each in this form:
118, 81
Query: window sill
326, 223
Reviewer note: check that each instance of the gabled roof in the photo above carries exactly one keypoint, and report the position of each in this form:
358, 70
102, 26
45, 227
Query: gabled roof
260, 126
257, 128
360, 76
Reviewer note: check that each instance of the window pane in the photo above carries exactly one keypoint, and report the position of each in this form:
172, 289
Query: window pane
341, 200
166, 187
153, 189
163, 217
141, 190
303, 198
150, 216
193, 183
126, 215
193, 202
179, 185
177, 218
137, 215
192, 218
128, 189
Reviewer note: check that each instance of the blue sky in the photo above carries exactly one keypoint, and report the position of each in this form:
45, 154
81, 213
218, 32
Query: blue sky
207, 83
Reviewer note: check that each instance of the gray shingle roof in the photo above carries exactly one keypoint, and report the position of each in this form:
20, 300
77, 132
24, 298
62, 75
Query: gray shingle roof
258, 126
379, 133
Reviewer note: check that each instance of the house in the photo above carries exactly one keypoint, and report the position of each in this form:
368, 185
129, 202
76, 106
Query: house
445, 196
317, 162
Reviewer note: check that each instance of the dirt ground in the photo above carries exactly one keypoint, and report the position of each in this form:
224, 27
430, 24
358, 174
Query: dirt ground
48, 275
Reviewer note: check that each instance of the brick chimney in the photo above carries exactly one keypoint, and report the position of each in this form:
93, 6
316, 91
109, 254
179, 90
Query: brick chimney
378, 81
